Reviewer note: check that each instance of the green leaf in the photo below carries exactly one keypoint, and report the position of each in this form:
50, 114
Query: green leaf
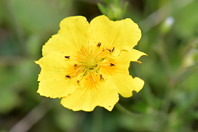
116, 2
125, 7
33, 45
9, 100
102, 8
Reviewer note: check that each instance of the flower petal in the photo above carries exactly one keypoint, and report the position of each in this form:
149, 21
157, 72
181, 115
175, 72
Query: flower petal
119, 73
126, 84
121, 63
87, 99
53, 80
122, 34
71, 36
127, 56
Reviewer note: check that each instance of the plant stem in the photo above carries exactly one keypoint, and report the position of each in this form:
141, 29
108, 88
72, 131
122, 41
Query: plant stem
124, 110
37, 113
97, 120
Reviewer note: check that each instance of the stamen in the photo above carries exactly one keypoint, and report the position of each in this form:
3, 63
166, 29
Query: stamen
77, 71
67, 76
84, 73
101, 78
93, 78
100, 52
113, 49
67, 57
78, 81
111, 64
109, 50
99, 44
75, 65
84, 51
104, 52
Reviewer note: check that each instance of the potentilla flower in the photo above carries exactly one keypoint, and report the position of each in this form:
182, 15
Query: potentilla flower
87, 64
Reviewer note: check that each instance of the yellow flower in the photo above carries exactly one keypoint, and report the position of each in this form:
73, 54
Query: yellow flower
87, 64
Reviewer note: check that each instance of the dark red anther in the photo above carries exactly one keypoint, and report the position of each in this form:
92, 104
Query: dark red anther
67, 57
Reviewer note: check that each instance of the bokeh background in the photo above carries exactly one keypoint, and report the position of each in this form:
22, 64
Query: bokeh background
167, 103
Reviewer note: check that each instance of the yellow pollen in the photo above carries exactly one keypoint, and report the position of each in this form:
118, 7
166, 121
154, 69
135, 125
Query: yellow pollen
91, 62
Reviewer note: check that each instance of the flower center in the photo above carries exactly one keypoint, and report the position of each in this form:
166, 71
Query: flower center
91, 62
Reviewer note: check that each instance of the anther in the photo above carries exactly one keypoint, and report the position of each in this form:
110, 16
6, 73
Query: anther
111, 64
109, 50
67, 57
75, 65
78, 81
99, 44
67, 76
101, 78
113, 49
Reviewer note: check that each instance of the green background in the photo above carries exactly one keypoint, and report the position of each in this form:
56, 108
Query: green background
167, 103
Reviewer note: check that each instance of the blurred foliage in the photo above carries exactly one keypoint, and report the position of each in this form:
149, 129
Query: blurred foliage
113, 10
167, 103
